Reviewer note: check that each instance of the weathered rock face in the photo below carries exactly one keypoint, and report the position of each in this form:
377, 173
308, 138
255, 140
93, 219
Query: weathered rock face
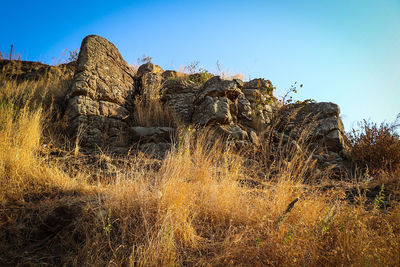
179, 96
216, 102
322, 126
149, 78
101, 72
101, 95
321, 121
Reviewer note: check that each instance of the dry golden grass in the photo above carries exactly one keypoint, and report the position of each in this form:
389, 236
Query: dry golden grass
192, 208
195, 211
149, 111
230, 76
227, 75
23, 174
50, 89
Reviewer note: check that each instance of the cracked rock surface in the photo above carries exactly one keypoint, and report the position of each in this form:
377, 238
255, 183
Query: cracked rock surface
100, 95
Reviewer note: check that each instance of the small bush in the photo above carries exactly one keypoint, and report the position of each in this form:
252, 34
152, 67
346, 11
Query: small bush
375, 147
73, 55
144, 59
201, 77
197, 74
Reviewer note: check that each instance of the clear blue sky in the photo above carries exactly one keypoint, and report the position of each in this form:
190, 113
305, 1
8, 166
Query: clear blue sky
343, 51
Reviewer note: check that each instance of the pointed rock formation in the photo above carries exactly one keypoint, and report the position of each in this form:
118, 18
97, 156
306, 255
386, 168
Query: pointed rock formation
100, 96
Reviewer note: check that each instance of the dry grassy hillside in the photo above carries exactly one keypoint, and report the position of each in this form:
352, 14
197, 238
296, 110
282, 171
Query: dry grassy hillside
201, 205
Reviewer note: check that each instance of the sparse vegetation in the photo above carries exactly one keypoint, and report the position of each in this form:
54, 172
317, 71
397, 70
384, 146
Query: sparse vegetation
72, 55
226, 75
144, 59
288, 100
12, 56
200, 75
196, 74
192, 67
195, 207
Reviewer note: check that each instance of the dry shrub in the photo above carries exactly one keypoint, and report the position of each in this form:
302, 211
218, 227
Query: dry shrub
375, 147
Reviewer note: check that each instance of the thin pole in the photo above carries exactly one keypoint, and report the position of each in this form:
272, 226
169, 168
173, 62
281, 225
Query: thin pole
11, 52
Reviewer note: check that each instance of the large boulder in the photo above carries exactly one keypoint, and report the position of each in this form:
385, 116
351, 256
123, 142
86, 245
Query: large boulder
100, 95
101, 72
320, 122
149, 79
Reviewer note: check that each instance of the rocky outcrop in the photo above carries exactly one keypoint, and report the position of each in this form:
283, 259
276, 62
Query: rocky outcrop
100, 96
20, 71
101, 104
102, 111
